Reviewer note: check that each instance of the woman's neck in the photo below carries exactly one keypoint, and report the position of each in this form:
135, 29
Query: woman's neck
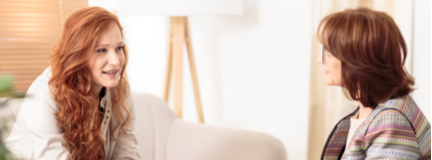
364, 112
97, 89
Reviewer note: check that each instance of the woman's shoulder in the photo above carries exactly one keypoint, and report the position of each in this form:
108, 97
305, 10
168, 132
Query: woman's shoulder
389, 116
403, 106
400, 114
39, 93
129, 101
37, 111
41, 82
400, 121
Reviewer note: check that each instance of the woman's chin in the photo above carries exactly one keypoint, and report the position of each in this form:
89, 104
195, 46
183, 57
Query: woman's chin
110, 85
330, 83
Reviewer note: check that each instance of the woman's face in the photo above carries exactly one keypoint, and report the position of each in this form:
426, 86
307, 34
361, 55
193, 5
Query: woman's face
108, 58
332, 69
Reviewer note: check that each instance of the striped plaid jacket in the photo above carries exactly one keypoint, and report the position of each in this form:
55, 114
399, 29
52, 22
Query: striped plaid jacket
396, 130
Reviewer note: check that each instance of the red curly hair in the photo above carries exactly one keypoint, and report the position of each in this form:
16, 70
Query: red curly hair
72, 85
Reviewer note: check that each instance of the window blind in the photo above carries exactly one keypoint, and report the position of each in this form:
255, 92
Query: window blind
28, 31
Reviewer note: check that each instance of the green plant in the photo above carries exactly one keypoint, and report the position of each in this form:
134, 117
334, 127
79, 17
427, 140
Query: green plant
5, 85
4, 153
6, 93
6, 89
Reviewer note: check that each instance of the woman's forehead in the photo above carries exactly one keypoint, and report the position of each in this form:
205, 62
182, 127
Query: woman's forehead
112, 36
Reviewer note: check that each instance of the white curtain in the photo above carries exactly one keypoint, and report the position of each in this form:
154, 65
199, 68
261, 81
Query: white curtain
328, 103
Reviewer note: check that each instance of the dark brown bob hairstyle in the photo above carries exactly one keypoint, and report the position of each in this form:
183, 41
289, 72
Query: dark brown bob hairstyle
372, 51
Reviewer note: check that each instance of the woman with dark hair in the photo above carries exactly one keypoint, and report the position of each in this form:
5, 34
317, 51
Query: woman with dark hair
364, 53
80, 107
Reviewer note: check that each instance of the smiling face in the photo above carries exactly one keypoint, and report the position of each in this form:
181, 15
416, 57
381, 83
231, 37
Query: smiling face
332, 69
107, 59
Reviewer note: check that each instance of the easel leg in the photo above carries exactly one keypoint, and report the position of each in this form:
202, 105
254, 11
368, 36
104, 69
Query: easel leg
168, 67
193, 73
179, 35
178, 43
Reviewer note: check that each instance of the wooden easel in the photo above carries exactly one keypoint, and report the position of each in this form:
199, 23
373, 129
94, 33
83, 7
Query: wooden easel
179, 35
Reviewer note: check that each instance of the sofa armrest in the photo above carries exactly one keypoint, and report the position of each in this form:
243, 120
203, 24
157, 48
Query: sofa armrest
192, 141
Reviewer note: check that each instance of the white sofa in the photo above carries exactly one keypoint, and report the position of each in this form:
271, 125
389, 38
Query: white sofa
162, 136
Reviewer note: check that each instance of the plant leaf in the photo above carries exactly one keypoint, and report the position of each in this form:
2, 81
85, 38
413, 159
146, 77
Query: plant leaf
6, 83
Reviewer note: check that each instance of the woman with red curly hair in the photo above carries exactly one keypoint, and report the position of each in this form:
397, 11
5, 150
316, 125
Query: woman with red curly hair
364, 53
80, 107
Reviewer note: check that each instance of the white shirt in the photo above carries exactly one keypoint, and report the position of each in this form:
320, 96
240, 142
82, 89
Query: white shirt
37, 134
354, 124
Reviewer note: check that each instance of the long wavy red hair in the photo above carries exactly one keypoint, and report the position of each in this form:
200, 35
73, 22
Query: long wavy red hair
71, 83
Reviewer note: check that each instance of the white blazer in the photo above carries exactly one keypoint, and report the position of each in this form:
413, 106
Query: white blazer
37, 134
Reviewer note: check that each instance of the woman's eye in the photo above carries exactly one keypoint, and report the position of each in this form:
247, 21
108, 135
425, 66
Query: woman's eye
101, 50
119, 48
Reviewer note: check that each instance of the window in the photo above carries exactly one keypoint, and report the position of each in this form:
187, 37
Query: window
28, 31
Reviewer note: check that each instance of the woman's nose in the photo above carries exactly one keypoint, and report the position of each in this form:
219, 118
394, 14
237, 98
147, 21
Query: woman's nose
113, 59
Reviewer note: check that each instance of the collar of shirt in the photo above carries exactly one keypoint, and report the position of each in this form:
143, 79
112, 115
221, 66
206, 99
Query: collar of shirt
106, 104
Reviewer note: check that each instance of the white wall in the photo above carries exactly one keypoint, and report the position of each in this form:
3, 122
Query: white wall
422, 55
253, 70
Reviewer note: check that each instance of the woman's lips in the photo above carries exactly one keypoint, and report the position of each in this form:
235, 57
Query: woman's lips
110, 74
327, 72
